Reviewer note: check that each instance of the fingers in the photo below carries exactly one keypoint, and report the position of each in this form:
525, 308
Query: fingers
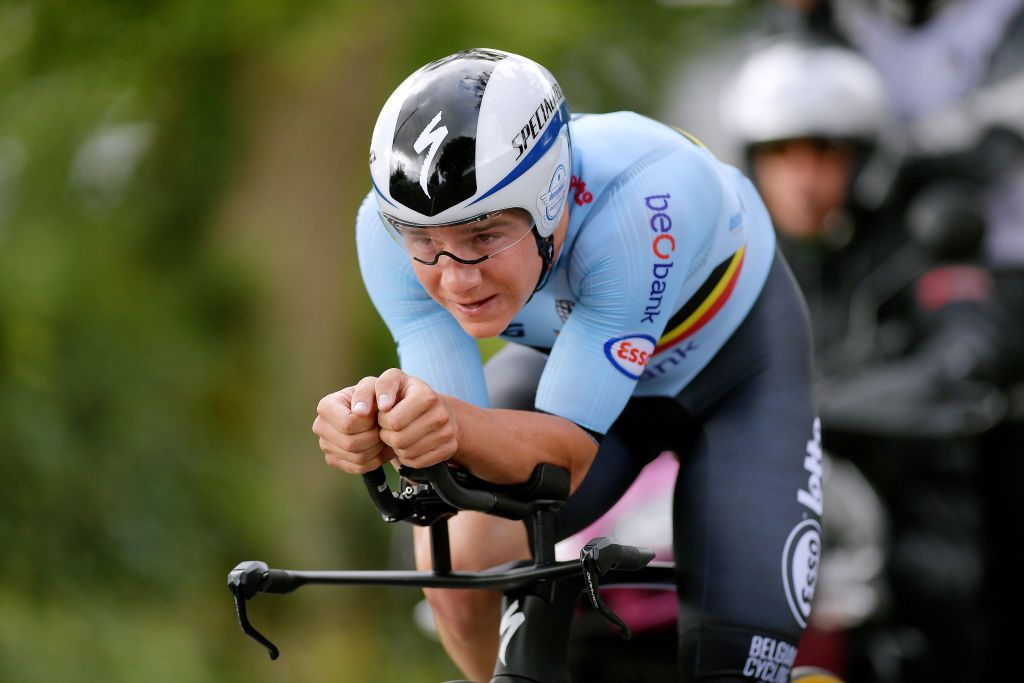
416, 399
364, 397
337, 410
346, 423
431, 434
353, 453
429, 431
390, 387
431, 457
341, 441
359, 463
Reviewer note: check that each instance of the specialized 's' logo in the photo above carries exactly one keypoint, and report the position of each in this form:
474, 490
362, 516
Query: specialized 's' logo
801, 561
630, 354
511, 620
430, 137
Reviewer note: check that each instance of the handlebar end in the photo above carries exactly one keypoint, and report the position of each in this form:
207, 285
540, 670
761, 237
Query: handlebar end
248, 578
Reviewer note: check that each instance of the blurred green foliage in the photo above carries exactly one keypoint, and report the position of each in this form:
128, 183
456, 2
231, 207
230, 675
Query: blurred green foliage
150, 396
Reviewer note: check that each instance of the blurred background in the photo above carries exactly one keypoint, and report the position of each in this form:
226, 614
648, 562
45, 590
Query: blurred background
178, 288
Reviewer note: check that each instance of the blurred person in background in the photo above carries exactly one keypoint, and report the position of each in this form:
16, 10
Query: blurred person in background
891, 260
807, 117
953, 73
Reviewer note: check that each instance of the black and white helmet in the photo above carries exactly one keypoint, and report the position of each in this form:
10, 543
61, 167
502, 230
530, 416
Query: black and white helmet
475, 132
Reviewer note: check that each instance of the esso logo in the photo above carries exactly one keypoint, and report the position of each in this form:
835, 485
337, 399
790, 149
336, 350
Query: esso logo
801, 563
630, 354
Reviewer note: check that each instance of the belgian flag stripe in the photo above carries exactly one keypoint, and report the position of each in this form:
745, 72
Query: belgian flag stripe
704, 304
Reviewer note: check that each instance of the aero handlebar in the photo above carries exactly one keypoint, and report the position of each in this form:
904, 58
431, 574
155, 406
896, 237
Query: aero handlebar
431, 495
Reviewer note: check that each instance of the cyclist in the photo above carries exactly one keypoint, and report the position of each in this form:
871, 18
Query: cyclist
638, 282
808, 115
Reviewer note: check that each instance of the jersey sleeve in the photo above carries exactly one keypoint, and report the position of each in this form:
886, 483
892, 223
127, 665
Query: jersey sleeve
632, 257
431, 344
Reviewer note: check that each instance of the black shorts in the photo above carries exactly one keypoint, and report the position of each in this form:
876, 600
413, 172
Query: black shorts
747, 506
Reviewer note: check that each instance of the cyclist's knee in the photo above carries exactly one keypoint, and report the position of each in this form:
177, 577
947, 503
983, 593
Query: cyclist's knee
477, 542
464, 613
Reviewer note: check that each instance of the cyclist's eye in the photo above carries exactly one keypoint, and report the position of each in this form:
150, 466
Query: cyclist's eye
419, 241
487, 239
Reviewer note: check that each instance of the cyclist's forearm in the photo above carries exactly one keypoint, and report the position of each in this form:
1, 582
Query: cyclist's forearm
503, 446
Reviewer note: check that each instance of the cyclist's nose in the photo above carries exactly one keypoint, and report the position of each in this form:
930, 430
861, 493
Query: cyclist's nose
458, 277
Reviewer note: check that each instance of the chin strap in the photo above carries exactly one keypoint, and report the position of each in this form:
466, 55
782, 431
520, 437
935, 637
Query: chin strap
546, 249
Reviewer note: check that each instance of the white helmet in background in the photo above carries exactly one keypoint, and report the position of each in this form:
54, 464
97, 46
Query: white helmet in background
473, 133
911, 12
791, 90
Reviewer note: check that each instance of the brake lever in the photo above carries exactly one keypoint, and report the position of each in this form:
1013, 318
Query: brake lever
599, 557
250, 631
244, 582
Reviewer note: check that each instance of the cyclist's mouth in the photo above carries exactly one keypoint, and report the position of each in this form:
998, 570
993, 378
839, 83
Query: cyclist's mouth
474, 308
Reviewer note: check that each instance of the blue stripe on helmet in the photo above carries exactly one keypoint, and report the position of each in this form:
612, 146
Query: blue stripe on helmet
543, 145
379, 193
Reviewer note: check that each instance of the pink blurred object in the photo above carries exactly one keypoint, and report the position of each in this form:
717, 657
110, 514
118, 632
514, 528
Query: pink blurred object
642, 517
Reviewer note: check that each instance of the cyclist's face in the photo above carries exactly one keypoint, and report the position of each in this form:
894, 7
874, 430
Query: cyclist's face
803, 182
484, 297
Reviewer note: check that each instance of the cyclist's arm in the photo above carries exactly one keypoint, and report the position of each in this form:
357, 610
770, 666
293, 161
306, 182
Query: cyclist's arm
503, 446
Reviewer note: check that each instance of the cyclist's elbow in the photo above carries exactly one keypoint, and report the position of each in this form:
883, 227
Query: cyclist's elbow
583, 452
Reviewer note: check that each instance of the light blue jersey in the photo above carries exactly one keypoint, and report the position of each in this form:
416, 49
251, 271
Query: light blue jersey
667, 250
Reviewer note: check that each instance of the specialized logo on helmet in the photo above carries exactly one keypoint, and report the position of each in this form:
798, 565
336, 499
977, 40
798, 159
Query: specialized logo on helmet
430, 137
801, 560
534, 126
629, 354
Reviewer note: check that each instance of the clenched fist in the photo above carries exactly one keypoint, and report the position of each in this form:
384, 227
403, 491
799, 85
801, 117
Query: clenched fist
381, 418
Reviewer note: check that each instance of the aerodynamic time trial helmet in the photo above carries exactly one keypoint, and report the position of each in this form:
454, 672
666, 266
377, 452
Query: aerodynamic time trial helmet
466, 137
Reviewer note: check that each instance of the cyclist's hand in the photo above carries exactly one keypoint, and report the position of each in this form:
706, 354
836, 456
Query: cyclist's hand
416, 421
346, 423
